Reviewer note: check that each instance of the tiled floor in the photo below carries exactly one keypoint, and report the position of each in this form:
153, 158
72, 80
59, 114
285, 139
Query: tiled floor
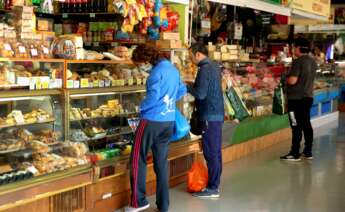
263, 183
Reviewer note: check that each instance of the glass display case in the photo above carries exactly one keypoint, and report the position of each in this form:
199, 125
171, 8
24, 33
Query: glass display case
31, 74
103, 106
31, 137
254, 83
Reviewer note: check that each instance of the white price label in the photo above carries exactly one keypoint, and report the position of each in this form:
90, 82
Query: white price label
45, 50
7, 47
64, 15
32, 169
18, 116
92, 15
34, 52
113, 44
22, 49
96, 44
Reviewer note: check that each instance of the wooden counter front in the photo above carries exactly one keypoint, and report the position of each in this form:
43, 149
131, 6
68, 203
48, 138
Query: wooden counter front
34, 194
108, 193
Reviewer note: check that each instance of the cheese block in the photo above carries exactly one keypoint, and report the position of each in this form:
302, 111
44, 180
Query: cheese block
215, 55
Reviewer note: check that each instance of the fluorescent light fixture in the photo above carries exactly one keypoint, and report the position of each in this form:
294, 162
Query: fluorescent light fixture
298, 14
39, 98
106, 93
92, 94
257, 5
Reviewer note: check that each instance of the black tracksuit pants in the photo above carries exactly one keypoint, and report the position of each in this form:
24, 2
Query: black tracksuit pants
299, 114
151, 136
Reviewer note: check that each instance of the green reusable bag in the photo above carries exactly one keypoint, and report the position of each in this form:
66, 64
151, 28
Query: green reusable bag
237, 104
278, 106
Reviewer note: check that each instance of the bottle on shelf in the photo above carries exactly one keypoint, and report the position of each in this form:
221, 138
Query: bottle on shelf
8, 4
86, 5
92, 6
62, 7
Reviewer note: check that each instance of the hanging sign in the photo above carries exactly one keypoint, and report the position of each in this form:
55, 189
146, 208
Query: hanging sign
318, 7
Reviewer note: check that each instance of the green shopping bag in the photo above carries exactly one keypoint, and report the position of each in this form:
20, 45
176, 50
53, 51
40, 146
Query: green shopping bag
278, 106
237, 104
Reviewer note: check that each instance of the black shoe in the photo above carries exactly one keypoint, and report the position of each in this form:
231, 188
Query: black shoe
308, 156
290, 157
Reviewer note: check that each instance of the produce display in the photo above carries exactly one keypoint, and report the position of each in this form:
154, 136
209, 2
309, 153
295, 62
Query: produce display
33, 77
254, 85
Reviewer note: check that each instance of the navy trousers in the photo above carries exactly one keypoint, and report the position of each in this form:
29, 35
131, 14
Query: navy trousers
152, 136
212, 149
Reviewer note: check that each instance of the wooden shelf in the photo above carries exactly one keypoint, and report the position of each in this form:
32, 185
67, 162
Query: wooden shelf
92, 118
2, 59
119, 89
26, 124
29, 93
100, 61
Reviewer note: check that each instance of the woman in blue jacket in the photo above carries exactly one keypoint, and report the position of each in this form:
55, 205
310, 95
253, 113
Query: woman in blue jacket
157, 112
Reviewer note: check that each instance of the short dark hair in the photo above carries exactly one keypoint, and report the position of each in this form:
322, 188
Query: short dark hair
146, 54
303, 44
198, 47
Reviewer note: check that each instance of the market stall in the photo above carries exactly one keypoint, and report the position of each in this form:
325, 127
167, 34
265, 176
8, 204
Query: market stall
70, 98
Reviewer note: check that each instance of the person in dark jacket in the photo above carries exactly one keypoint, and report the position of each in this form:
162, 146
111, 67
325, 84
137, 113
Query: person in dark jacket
207, 90
300, 88
157, 112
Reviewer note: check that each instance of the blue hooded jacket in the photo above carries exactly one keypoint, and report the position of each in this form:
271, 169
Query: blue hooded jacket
163, 88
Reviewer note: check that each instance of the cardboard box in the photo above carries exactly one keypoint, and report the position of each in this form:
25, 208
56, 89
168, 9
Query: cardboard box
211, 48
23, 9
170, 36
215, 55
43, 25
169, 44
232, 47
23, 81
234, 52
47, 37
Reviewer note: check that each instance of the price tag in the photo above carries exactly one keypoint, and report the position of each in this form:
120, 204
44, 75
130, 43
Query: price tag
95, 83
34, 52
7, 47
107, 83
64, 15
18, 116
70, 84
22, 49
76, 84
87, 43
101, 83
45, 50
84, 83
96, 44
113, 44
32, 169
45, 84
92, 15
130, 81
139, 81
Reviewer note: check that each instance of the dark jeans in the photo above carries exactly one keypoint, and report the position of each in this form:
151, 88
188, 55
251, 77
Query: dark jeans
212, 149
154, 136
299, 114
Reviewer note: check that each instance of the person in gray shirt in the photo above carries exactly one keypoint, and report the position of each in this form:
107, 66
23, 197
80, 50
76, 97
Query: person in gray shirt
299, 90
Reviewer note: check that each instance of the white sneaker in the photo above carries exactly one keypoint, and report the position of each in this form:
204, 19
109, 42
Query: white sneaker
131, 209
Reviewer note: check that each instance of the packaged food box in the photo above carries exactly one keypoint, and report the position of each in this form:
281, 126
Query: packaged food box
169, 44
215, 55
170, 36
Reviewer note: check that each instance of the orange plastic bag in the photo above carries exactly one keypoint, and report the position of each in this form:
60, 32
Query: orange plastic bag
197, 177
